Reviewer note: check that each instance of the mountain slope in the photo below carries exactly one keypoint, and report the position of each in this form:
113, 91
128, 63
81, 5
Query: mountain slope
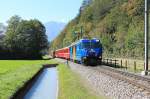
119, 24
53, 29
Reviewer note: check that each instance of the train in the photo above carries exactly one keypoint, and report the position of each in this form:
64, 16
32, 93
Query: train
84, 51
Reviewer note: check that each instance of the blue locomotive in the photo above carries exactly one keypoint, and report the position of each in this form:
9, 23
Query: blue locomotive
86, 51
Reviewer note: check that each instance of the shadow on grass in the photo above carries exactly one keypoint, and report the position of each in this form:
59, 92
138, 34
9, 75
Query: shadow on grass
50, 65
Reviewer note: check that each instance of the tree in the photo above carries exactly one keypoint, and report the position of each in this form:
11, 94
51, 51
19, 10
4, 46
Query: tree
85, 3
39, 39
10, 38
25, 39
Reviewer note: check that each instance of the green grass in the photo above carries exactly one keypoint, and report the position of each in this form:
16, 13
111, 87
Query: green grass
70, 86
14, 73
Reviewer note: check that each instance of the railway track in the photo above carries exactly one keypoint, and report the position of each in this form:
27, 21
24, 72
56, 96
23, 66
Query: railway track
140, 82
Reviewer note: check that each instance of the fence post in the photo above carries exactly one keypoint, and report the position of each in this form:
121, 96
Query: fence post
126, 64
121, 64
134, 66
115, 63
107, 61
111, 62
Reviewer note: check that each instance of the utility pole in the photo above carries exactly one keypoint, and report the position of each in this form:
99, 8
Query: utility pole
145, 72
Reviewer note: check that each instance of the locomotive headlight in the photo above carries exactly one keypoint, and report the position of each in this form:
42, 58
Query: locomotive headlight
97, 40
100, 57
84, 57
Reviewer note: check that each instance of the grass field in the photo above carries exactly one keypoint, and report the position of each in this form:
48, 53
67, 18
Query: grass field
14, 73
70, 86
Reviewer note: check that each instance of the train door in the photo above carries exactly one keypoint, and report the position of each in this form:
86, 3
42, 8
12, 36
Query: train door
78, 52
74, 53
71, 52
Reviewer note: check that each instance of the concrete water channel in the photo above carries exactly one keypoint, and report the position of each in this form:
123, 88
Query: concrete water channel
46, 86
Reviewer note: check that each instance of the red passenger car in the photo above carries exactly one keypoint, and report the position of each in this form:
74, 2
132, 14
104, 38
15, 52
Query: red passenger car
63, 53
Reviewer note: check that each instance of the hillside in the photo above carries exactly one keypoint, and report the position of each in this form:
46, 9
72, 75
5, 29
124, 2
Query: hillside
119, 24
53, 29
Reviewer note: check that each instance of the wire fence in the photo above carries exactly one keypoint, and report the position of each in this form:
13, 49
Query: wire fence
130, 65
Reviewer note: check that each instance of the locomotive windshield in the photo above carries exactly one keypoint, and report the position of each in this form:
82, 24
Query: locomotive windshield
95, 44
91, 45
86, 45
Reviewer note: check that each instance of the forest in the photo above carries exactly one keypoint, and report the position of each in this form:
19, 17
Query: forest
119, 24
23, 39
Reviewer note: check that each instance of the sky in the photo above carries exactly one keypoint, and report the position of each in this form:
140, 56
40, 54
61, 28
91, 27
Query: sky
43, 10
